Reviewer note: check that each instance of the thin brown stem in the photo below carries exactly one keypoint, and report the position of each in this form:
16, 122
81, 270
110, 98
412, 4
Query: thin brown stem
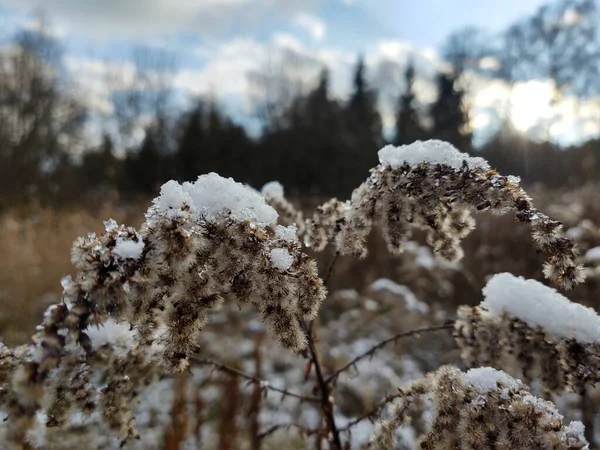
326, 394
330, 268
280, 426
263, 383
373, 412
333, 377
587, 417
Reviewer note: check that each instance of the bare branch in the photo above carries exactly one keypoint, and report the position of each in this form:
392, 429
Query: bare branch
373, 412
326, 395
280, 426
265, 384
333, 377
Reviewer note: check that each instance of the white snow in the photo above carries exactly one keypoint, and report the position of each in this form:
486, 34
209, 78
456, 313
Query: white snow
212, 197
273, 189
542, 405
281, 258
110, 225
172, 197
119, 336
433, 152
412, 303
485, 379
575, 430
593, 254
66, 282
540, 306
287, 233
128, 249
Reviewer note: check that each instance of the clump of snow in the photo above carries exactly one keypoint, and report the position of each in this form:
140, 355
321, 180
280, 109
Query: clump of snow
110, 225
281, 258
540, 306
412, 303
212, 197
119, 336
66, 282
433, 152
575, 430
593, 254
273, 189
485, 379
287, 233
128, 248
171, 199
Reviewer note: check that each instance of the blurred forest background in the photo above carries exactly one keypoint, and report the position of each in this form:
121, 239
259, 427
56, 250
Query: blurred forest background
310, 141
56, 183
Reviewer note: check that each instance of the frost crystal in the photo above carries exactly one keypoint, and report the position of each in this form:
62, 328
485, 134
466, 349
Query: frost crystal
66, 281
110, 225
432, 152
281, 258
540, 306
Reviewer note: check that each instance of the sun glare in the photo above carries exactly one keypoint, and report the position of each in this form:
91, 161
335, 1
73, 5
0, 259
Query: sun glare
530, 104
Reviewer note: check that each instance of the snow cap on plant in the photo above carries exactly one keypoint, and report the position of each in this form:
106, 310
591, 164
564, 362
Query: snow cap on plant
480, 408
526, 326
432, 186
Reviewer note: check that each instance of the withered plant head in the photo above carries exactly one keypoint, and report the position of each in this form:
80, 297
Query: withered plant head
432, 186
533, 332
480, 408
201, 242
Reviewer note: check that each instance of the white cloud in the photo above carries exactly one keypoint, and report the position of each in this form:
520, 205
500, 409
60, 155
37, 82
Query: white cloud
118, 18
312, 24
240, 71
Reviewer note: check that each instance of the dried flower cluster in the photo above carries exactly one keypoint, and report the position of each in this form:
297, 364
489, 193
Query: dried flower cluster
200, 242
532, 331
482, 408
106, 381
432, 186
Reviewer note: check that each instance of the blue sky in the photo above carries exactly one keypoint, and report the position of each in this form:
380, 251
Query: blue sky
106, 26
220, 46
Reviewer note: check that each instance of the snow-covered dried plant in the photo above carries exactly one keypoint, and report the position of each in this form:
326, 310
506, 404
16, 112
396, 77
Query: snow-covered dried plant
480, 408
432, 186
139, 299
200, 242
532, 330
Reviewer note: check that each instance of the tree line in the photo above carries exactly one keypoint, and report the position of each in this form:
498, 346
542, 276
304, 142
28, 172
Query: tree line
313, 144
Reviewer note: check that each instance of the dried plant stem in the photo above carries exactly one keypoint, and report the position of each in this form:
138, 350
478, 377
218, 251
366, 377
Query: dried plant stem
372, 412
286, 426
265, 384
330, 268
176, 433
334, 376
587, 417
326, 395
256, 398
